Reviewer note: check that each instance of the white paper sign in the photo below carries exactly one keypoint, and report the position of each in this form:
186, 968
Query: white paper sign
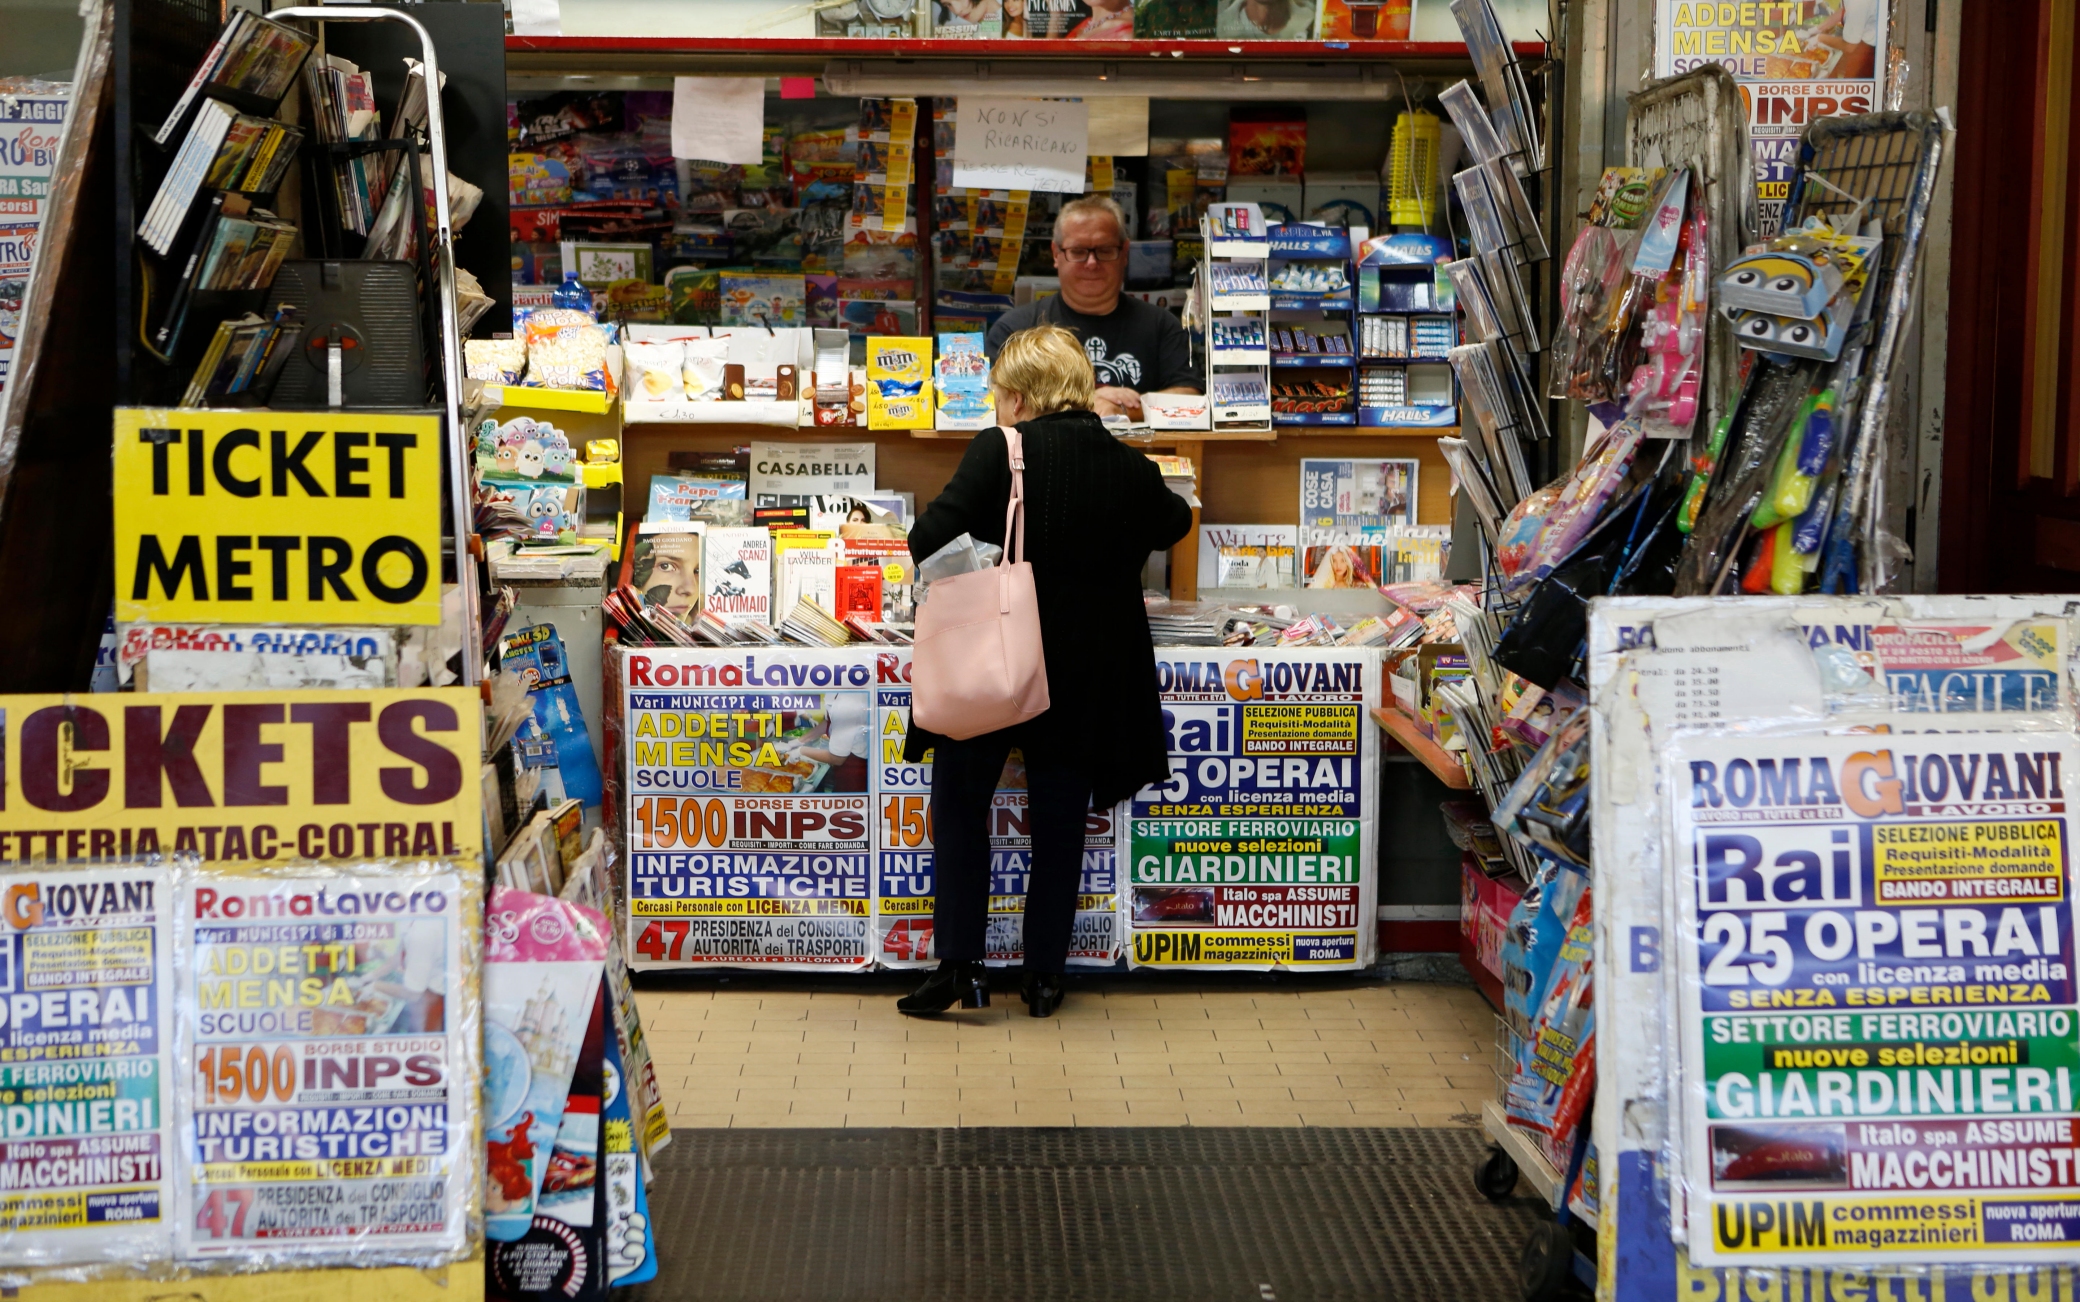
719, 119
537, 17
810, 469
1021, 144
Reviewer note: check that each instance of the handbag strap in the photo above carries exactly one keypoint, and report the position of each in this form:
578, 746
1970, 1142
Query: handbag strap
1014, 509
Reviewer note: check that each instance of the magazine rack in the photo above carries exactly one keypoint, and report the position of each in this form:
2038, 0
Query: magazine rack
437, 248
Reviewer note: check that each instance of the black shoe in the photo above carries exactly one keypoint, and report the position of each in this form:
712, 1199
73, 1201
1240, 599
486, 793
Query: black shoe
966, 984
1043, 993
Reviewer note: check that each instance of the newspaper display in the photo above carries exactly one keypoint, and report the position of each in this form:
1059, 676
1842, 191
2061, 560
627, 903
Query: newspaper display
904, 857
543, 963
84, 1071
1879, 1038
1259, 851
32, 118
1910, 666
587, 885
749, 807
1794, 62
329, 1026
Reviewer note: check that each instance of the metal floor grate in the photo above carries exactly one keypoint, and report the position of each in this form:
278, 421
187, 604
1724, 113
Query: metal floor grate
1007, 1214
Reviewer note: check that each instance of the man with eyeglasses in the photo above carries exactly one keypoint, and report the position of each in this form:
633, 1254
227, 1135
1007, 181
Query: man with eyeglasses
1134, 347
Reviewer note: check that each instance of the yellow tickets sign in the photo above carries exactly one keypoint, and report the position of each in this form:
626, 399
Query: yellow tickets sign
259, 517
242, 777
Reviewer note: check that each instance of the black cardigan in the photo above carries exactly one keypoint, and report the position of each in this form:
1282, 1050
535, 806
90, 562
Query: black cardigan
1095, 509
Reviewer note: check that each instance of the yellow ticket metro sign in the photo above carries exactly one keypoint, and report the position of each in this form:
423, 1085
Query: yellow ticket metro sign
242, 777
259, 517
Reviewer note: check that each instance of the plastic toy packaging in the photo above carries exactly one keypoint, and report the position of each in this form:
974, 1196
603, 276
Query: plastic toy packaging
1663, 390
1556, 1073
1518, 536
1589, 281
1754, 440
339, 1095
1601, 369
1603, 470
1537, 927
1799, 294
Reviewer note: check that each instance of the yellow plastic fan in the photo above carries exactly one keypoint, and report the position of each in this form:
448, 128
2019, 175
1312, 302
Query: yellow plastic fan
1412, 172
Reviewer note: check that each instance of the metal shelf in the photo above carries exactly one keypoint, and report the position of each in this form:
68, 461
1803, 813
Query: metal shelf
1434, 757
737, 47
1531, 1164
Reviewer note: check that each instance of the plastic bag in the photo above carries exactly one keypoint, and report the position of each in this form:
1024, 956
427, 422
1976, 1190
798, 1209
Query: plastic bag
1575, 513
961, 556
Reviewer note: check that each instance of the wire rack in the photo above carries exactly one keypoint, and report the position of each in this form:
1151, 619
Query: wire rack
1698, 121
1854, 169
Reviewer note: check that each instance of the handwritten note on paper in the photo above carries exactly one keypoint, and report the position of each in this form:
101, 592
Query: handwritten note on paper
1021, 144
719, 119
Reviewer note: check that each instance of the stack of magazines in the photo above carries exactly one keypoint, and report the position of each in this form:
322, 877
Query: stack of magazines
1186, 623
809, 624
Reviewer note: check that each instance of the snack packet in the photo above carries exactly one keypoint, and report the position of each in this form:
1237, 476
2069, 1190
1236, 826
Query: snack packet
495, 361
702, 365
566, 349
654, 370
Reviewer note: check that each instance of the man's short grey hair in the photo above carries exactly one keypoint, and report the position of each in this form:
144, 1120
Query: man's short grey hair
1093, 203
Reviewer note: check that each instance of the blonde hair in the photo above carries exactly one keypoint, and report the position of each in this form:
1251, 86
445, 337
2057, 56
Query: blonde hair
1048, 368
1094, 203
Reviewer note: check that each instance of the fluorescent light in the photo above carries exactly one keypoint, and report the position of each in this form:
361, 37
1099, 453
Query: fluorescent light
1342, 80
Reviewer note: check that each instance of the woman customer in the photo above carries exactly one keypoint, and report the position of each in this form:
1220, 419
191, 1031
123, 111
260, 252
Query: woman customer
1094, 511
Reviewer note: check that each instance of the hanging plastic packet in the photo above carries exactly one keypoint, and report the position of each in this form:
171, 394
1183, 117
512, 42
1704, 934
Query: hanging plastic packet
1536, 927
1594, 270
1804, 459
1663, 390
1589, 490
1601, 371
1701, 475
1755, 439
1518, 537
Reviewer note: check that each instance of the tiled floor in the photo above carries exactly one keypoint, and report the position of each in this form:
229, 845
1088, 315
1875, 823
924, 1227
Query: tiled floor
773, 1051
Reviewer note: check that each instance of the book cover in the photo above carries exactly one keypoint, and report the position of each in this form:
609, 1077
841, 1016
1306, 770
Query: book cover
1345, 504
666, 567
805, 564
676, 497
737, 574
891, 556
859, 592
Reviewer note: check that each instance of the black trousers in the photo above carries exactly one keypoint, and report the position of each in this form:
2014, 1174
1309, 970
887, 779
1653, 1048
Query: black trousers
964, 779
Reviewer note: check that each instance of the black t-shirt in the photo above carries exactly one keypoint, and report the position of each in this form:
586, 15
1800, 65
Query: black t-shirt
1136, 346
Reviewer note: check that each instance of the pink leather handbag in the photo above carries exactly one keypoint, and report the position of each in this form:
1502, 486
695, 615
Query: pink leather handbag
978, 664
